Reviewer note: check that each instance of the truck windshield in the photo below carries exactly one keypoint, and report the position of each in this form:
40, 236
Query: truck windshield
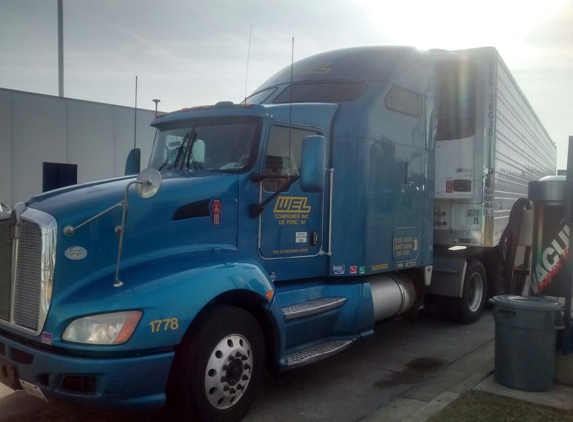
224, 145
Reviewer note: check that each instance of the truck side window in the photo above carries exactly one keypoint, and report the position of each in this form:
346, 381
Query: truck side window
404, 101
283, 156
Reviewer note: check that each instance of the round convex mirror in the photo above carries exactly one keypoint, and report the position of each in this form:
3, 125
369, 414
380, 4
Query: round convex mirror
148, 183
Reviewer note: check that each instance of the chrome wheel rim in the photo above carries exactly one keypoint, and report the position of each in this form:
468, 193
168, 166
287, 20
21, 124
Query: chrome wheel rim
228, 371
475, 292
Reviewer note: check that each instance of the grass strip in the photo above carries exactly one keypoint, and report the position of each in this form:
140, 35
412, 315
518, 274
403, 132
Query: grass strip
477, 406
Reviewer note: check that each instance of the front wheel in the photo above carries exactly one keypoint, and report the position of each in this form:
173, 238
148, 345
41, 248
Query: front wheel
218, 367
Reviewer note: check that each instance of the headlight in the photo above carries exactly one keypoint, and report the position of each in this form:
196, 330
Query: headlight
112, 328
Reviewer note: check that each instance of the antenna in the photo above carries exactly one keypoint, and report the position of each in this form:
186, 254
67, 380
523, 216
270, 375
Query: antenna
248, 56
291, 69
290, 100
135, 119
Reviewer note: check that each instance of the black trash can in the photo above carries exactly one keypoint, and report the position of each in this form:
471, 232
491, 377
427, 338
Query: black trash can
525, 341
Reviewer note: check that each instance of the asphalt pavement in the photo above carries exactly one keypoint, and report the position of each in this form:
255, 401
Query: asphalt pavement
406, 372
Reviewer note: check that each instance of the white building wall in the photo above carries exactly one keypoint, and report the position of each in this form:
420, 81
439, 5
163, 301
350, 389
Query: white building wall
38, 135
37, 128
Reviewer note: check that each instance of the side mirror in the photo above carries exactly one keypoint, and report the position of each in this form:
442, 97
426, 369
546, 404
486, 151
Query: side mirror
133, 162
147, 183
312, 166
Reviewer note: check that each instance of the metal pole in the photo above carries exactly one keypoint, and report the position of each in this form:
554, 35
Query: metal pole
248, 55
135, 117
60, 48
156, 101
569, 220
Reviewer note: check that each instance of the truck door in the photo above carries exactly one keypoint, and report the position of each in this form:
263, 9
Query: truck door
291, 226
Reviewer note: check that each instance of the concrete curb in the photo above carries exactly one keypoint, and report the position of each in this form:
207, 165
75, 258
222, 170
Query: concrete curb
560, 395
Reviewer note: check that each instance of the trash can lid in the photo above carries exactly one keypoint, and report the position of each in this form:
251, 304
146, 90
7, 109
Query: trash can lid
537, 303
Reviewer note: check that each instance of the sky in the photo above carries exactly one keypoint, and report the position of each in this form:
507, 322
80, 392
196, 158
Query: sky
196, 52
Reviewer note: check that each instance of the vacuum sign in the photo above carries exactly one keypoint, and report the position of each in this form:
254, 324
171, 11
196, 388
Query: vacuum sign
550, 261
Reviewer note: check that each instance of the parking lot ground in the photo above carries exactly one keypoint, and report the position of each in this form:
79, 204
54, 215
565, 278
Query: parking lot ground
407, 369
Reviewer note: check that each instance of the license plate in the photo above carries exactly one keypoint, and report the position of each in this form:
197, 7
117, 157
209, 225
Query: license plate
33, 390
8, 375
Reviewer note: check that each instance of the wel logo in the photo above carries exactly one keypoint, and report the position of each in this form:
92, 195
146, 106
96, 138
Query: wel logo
292, 204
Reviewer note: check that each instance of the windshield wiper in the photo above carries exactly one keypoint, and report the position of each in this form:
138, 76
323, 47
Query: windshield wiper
189, 155
177, 150
164, 163
184, 154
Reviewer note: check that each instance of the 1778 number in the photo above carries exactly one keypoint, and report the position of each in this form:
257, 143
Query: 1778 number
167, 323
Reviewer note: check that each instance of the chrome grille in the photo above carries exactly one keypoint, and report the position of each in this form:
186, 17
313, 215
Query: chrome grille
29, 275
26, 270
5, 270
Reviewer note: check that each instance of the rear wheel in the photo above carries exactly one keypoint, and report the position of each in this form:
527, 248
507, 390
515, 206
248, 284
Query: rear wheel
468, 308
218, 367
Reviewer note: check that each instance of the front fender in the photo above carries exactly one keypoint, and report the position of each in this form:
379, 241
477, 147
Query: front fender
169, 293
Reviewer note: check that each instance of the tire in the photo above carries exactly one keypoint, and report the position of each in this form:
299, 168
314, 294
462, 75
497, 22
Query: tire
469, 307
218, 367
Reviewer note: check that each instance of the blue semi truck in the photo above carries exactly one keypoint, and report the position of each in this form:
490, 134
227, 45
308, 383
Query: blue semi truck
271, 233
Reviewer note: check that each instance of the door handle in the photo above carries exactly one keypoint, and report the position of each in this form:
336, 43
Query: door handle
313, 238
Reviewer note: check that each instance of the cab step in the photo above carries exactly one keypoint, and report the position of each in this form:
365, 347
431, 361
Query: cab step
312, 307
316, 353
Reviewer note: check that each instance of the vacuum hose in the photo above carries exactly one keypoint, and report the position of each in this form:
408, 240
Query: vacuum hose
514, 278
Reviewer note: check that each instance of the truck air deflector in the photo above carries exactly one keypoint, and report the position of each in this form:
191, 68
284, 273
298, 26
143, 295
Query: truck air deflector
377, 64
238, 110
321, 92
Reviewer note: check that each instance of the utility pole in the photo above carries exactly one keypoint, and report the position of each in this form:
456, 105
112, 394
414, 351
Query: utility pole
60, 48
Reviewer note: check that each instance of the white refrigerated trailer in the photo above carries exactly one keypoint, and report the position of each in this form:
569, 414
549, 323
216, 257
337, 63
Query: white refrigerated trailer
490, 144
